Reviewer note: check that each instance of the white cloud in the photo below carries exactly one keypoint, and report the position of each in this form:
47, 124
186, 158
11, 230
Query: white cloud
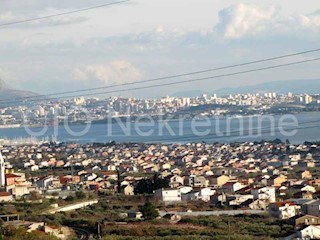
312, 20
247, 20
114, 72
243, 19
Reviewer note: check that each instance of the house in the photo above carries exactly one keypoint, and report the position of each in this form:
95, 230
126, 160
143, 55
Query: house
42, 227
127, 190
175, 181
12, 178
168, 195
283, 210
304, 174
219, 199
133, 214
283, 190
233, 186
309, 232
68, 179
311, 207
5, 197
309, 189
239, 200
20, 190
315, 182
45, 182
265, 193
276, 181
259, 204
218, 181
185, 189
203, 194
307, 220
303, 194
196, 181
172, 217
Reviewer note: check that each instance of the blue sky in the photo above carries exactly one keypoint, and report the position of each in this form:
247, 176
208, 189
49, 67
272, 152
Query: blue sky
144, 39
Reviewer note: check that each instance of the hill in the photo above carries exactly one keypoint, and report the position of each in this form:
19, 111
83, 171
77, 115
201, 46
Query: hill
311, 86
7, 92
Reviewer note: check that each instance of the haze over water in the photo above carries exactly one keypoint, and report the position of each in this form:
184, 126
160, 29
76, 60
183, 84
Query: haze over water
217, 130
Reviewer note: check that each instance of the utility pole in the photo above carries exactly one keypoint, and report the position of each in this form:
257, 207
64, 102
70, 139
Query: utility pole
99, 231
229, 235
2, 172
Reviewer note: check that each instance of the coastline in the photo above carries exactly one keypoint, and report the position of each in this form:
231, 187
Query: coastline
140, 119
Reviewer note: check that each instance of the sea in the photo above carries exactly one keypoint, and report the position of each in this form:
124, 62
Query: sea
295, 128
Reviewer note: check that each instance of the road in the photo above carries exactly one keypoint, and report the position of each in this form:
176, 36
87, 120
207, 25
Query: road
81, 233
72, 207
214, 213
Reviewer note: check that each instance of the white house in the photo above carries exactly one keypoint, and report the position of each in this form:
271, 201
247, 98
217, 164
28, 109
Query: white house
5, 197
206, 193
309, 232
233, 186
265, 193
259, 204
283, 210
309, 188
176, 181
236, 200
34, 168
168, 195
203, 194
185, 189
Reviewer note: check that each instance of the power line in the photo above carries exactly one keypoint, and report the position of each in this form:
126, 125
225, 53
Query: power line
184, 81
61, 14
165, 78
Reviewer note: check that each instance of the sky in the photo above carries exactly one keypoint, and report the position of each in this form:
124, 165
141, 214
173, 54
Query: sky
145, 39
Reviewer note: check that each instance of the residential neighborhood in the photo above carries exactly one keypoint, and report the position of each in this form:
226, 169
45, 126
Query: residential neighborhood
271, 177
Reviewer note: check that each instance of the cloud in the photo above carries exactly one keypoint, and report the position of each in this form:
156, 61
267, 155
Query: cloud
243, 19
114, 72
247, 20
312, 20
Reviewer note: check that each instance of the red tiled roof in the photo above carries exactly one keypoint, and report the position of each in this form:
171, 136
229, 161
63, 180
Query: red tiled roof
11, 175
4, 194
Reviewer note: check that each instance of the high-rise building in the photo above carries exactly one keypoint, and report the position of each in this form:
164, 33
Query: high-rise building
41, 111
306, 99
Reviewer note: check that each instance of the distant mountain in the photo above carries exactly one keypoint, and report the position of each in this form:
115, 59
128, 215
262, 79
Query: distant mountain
311, 86
7, 92
191, 93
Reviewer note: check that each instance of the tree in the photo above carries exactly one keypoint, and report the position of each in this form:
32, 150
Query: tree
119, 181
80, 195
144, 186
149, 211
35, 195
159, 182
147, 186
